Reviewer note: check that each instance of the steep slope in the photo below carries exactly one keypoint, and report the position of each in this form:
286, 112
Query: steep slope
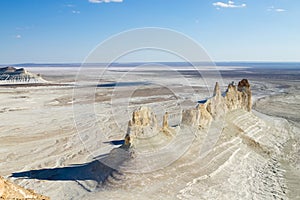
244, 149
144, 123
9, 190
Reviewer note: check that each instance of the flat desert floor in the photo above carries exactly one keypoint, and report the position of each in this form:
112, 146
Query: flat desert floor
54, 137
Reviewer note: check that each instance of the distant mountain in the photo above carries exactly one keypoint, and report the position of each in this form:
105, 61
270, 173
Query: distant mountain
258, 65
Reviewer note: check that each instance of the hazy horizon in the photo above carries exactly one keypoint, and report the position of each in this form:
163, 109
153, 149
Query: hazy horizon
256, 64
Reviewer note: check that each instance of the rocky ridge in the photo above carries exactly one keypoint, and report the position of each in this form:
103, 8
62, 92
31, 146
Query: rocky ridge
144, 123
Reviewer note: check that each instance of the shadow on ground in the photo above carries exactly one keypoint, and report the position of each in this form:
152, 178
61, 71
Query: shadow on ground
97, 170
115, 142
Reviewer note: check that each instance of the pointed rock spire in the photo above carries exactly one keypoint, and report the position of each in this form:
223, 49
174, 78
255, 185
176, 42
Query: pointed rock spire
217, 91
165, 120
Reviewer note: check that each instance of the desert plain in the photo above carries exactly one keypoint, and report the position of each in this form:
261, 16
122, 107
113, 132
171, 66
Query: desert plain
56, 138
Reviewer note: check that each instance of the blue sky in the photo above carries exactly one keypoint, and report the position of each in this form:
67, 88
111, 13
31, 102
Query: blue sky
54, 31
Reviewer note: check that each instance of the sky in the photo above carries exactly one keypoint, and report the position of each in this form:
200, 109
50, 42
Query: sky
61, 31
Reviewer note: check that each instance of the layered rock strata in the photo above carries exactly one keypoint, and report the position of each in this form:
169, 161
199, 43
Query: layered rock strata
144, 123
14, 75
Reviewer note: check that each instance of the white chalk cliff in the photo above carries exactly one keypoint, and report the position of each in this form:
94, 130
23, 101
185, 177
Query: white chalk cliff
13, 75
144, 123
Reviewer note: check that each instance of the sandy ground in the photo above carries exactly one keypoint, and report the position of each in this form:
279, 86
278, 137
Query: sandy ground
51, 135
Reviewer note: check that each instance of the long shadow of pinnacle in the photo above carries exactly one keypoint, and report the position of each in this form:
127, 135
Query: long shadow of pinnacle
98, 170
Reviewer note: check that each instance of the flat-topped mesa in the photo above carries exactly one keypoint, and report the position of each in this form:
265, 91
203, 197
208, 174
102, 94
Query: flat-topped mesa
13, 75
8, 69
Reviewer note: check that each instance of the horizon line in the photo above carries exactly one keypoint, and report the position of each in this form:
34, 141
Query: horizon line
146, 62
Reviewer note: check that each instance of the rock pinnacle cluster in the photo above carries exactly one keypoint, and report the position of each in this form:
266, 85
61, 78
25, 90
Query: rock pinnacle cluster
144, 122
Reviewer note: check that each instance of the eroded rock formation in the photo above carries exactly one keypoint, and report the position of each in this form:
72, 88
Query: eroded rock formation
9, 190
166, 129
239, 97
198, 117
144, 123
14, 75
215, 104
205, 117
244, 88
